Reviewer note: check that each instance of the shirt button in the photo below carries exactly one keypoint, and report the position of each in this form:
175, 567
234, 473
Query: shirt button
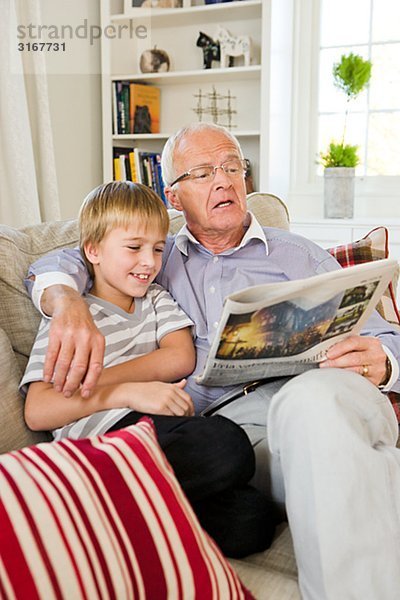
215, 324
215, 259
212, 289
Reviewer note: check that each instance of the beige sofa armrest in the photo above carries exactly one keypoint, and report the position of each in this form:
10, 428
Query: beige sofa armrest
14, 433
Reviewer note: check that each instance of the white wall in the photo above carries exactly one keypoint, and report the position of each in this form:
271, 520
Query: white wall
76, 119
75, 103
276, 178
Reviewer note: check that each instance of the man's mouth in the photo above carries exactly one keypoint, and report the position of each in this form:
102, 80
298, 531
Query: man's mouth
223, 204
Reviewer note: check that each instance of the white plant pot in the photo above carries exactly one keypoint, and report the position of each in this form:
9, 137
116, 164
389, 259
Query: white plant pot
339, 192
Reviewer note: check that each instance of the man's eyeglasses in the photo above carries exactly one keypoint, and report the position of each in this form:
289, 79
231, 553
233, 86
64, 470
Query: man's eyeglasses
206, 173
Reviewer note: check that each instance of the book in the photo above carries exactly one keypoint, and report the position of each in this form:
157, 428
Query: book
121, 162
132, 162
124, 107
115, 107
144, 108
160, 179
139, 166
117, 169
138, 155
118, 116
120, 103
286, 328
249, 178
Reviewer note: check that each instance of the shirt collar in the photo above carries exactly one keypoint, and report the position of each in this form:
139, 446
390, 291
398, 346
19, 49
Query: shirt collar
254, 231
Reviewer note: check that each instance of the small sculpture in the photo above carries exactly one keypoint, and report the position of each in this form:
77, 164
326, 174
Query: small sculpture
211, 50
218, 106
231, 46
154, 61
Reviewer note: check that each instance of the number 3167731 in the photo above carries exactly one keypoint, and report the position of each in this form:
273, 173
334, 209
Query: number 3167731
41, 47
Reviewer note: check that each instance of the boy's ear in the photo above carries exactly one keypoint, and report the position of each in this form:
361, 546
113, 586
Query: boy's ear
173, 198
92, 253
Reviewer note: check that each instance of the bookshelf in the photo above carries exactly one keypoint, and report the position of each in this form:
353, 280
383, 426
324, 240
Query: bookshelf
176, 31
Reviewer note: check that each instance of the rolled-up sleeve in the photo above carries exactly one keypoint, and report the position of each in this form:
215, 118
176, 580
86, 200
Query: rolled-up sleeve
64, 266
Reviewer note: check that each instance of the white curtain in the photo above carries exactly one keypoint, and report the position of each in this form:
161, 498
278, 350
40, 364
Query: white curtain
28, 181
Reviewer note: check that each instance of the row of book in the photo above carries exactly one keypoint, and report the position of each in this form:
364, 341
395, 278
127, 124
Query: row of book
136, 107
139, 166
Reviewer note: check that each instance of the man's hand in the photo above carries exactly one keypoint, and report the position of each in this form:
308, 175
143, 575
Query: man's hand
361, 354
76, 347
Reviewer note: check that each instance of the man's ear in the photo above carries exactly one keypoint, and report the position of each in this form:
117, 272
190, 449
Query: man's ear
173, 198
92, 253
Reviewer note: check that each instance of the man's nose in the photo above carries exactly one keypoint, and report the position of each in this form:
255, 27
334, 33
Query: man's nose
221, 178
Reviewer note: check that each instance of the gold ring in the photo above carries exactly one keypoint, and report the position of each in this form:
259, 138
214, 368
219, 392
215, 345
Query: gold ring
364, 370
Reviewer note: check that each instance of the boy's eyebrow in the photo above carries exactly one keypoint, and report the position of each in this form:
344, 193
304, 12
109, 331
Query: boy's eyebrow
141, 239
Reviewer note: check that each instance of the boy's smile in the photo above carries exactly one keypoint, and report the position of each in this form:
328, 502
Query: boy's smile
126, 262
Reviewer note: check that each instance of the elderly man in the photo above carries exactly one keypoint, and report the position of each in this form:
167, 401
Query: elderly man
324, 440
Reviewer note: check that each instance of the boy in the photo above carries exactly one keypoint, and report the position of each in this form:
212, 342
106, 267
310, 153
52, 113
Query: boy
123, 227
122, 237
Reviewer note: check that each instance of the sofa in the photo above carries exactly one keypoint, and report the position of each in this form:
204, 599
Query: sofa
271, 574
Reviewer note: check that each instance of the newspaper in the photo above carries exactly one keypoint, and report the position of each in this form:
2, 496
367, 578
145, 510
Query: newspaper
285, 328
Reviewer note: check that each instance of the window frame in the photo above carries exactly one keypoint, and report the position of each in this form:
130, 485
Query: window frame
304, 182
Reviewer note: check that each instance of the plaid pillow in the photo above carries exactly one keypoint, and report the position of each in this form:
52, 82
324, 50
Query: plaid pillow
374, 246
104, 517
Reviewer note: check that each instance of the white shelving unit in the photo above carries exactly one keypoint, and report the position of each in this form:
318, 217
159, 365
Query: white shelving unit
176, 31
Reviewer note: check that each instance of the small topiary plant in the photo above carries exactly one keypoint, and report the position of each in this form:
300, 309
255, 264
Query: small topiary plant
351, 75
340, 155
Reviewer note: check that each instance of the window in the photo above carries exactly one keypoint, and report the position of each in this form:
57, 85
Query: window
371, 29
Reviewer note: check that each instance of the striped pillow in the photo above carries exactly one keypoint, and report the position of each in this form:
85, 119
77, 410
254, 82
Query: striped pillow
104, 517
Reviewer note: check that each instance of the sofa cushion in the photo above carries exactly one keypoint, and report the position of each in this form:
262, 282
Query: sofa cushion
269, 210
374, 246
18, 249
104, 517
272, 574
13, 431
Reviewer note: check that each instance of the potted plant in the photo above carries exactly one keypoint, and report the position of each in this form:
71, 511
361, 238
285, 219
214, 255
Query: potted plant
351, 75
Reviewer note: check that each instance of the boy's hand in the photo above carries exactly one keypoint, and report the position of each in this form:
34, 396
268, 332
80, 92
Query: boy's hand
76, 347
158, 398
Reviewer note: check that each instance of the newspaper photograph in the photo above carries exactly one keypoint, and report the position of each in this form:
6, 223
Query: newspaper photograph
286, 328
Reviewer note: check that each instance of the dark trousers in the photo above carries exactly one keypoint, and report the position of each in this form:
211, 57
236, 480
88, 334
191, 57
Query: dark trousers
213, 460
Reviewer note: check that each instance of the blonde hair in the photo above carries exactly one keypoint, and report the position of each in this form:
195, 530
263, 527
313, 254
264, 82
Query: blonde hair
117, 204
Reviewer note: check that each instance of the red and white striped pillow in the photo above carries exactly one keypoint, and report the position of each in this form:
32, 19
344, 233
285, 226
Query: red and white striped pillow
104, 517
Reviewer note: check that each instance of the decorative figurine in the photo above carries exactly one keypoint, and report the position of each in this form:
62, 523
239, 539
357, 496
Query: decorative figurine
218, 106
154, 61
231, 46
211, 50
